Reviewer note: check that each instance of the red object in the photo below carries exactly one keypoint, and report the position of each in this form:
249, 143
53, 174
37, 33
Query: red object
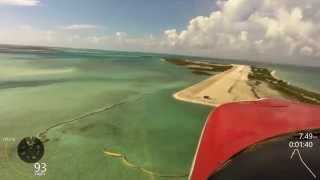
233, 127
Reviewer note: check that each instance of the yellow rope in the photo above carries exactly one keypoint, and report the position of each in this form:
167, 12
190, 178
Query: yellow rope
126, 162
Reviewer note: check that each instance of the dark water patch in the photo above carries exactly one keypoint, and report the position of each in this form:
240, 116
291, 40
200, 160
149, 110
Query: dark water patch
33, 83
87, 127
108, 127
43, 134
23, 49
111, 128
38, 83
204, 73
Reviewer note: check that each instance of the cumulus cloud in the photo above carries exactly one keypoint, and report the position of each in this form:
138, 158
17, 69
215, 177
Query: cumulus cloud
20, 2
248, 29
285, 31
307, 51
77, 27
123, 41
30, 35
26, 35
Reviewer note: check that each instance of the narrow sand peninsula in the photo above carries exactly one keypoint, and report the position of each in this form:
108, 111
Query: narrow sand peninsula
229, 86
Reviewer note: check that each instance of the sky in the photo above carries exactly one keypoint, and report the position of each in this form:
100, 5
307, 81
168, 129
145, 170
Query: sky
282, 31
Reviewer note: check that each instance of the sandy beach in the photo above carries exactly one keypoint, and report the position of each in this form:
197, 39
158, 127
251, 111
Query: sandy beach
229, 86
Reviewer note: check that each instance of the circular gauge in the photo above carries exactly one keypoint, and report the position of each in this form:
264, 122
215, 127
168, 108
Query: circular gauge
30, 150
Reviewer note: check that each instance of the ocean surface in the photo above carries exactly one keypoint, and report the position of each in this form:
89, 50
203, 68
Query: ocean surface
115, 101
137, 116
306, 77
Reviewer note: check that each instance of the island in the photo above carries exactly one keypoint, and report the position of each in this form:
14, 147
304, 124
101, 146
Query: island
234, 82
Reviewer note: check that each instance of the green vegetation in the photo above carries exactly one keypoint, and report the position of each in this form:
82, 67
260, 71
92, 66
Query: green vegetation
202, 73
200, 67
180, 62
259, 75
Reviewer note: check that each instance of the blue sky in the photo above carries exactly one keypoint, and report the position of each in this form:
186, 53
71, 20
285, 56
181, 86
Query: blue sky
285, 31
136, 17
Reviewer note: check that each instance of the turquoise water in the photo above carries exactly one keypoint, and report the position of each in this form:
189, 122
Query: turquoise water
134, 113
151, 128
307, 77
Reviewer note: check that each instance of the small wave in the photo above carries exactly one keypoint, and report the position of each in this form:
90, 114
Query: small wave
43, 134
273, 74
127, 163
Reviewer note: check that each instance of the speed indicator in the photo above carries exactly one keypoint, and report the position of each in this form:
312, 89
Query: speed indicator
30, 150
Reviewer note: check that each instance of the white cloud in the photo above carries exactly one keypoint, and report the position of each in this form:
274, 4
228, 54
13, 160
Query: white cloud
29, 35
307, 51
243, 36
249, 29
278, 30
121, 35
76, 27
25, 27
20, 2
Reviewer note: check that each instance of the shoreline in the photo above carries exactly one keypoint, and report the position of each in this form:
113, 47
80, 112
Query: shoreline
239, 83
179, 95
228, 86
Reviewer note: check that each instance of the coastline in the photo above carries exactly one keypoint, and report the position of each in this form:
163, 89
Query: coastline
221, 88
240, 83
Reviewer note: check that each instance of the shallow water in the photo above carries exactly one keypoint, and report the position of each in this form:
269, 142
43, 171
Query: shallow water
306, 77
151, 128
124, 101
